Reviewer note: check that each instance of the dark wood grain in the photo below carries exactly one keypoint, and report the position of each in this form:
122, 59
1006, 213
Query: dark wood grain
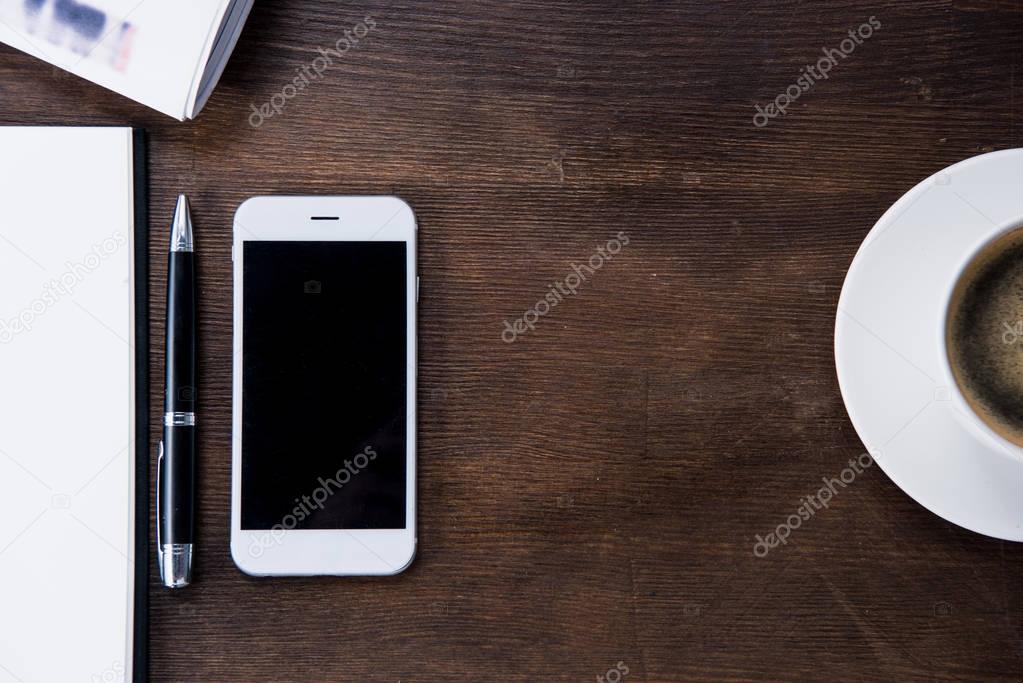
591, 493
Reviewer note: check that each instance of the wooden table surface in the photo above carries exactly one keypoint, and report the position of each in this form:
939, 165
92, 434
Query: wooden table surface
591, 493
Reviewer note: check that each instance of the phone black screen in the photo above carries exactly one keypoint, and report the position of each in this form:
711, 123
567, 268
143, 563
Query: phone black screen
324, 377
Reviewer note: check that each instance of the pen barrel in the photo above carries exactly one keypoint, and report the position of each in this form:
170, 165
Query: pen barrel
176, 515
182, 372
177, 472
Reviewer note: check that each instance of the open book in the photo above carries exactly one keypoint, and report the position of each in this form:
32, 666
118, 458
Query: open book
73, 405
166, 54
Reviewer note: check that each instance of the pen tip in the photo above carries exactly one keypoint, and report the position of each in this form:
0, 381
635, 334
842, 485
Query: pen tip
181, 230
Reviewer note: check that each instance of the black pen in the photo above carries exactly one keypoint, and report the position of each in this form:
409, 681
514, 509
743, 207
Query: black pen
175, 475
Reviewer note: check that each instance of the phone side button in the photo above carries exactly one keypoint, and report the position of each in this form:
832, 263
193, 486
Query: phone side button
417, 288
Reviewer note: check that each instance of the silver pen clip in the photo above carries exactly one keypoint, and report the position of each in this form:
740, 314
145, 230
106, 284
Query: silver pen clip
159, 485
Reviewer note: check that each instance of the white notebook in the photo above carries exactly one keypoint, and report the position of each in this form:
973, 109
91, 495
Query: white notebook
166, 54
72, 404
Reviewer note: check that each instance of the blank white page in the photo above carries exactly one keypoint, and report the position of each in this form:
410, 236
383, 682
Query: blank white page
67, 374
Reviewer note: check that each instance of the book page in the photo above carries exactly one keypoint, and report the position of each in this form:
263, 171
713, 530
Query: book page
149, 51
66, 404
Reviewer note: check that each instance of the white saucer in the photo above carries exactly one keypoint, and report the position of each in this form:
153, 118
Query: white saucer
890, 357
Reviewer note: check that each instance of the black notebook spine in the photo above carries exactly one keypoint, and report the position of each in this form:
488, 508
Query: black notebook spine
140, 637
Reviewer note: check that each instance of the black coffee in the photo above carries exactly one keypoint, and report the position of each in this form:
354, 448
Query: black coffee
985, 335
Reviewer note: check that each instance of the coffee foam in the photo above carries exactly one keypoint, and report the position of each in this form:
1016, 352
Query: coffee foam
985, 335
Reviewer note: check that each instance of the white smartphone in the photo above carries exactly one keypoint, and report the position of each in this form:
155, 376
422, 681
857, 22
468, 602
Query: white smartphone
324, 416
